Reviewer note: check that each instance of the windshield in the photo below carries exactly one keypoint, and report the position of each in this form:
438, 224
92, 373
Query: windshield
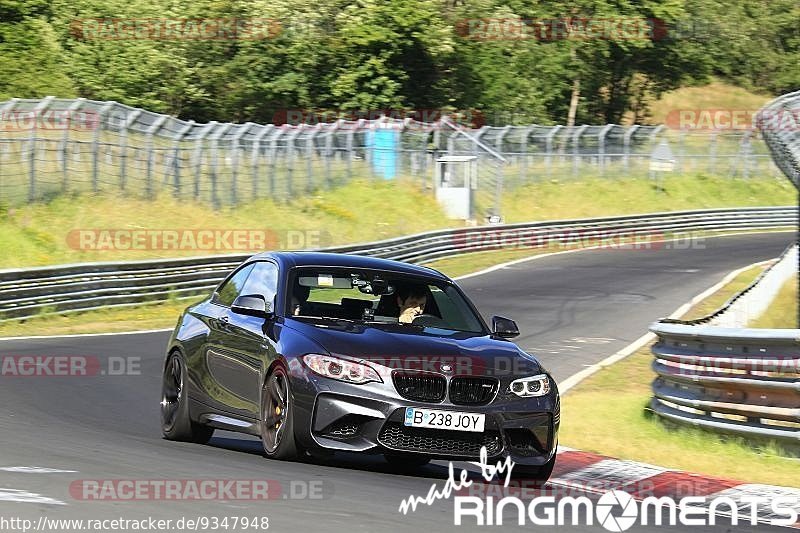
380, 298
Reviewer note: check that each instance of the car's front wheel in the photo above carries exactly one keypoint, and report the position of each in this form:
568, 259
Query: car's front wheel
277, 417
175, 421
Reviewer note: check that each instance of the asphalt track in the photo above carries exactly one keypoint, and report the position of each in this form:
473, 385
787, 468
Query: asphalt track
573, 310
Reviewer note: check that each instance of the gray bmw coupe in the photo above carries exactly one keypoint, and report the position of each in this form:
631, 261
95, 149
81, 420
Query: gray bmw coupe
317, 352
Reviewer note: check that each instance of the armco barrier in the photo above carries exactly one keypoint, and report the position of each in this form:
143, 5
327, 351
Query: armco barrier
71, 288
742, 381
714, 374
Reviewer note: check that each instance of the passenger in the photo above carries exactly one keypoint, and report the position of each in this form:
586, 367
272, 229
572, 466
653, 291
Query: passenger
412, 300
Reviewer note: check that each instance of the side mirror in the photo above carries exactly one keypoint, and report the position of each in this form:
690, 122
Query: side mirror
504, 327
252, 305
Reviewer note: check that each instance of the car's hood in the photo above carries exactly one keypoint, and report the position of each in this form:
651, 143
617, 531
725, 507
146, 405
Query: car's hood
406, 347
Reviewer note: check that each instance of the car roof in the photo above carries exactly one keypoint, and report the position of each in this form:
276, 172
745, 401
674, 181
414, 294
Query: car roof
300, 259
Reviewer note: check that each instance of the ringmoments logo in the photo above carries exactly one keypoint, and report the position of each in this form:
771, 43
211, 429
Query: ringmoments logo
614, 510
619, 511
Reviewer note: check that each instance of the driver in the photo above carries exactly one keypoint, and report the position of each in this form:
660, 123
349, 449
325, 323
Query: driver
300, 295
411, 299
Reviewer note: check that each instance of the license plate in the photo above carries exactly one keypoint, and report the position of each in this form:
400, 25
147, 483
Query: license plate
452, 420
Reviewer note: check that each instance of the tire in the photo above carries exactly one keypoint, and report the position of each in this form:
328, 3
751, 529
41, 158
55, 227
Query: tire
406, 461
277, 417
176, 424
540, 474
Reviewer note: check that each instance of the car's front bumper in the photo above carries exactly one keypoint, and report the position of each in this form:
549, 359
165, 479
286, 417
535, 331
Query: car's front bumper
370, 419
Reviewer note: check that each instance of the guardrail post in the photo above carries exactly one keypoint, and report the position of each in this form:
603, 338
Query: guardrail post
73, 107
255, 154
218, 133
176, 163
329, 154
273, 160
39, 108
626, 144
309, 149
4, 113
235, 147
601, 147
198, 155
123, 163
576, 147
96, 145
150, 155
290, 160
549, 149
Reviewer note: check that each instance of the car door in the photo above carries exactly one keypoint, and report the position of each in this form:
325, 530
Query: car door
245, 349
220, 368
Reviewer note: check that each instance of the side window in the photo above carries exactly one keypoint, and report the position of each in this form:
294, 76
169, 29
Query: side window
263, 280
233, 287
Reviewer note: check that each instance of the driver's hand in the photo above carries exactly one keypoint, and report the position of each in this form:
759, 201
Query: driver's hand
408, 316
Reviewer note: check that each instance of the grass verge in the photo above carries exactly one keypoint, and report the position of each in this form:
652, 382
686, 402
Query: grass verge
714, 95
360, 211
114, 320
163, 315
782, 313
619, 394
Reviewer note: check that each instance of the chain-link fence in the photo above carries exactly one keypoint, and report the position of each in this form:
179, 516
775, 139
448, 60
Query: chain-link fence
779, 123
55, 146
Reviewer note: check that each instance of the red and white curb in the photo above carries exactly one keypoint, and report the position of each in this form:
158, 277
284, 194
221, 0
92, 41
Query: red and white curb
593, 473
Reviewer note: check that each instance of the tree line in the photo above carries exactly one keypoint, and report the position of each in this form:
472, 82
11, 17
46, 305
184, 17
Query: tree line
510, 61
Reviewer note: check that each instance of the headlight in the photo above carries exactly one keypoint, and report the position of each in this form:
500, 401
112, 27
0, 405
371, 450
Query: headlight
341, 369
532, 386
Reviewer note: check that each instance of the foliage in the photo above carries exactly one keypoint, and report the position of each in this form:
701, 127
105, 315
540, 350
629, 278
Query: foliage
371, 55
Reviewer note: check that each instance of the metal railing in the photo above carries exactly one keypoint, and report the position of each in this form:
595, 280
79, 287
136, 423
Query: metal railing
732, 379
779, 123
54, 146
26, 293
742, 381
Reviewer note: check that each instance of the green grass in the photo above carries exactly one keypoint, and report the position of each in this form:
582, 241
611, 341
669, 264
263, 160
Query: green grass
619, 395
359, 211
715, 95
598, 197
782, 313
718, 299
113, 320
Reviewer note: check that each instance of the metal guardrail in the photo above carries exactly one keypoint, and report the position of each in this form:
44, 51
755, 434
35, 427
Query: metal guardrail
52, 146
732, 380
737, 380
26, 293
779, 123
732, 301
741, 381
